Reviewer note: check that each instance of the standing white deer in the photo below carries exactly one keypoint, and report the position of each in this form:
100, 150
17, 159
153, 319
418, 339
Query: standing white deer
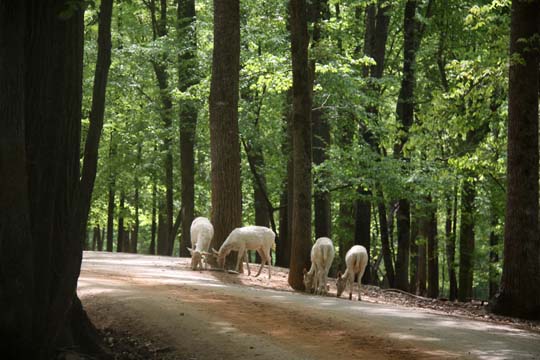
201, 232
322, 255
356, 260
259, 238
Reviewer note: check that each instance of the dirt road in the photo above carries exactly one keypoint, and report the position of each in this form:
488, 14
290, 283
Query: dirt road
214, 315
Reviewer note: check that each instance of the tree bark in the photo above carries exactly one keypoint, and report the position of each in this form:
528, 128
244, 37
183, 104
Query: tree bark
16, 247
362, 232
466, 241
40, 104
301, 136
187, 64
224, 135
520, 284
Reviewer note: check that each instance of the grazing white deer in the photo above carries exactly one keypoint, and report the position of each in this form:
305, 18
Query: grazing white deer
356, 260
201, 232
322, 255
259, 238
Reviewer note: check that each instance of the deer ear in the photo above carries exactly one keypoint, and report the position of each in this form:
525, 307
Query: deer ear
190, 250
305, 271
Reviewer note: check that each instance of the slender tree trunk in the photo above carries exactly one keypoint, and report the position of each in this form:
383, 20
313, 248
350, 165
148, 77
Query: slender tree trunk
451, 247
160, 30
385, 244
321, 198
422, 261
405, 115
520, 284
224, 135
283, 248
493, 261
187, 63
301, 136
432, 251
120, 239
153, 226
112, 193
101, 239
97, 112
362, 232
466, 242
413, 269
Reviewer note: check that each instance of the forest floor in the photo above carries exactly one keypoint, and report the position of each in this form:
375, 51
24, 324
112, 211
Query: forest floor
150, 307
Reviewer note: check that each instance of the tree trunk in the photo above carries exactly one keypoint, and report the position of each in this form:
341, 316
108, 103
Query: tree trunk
321, 198
112, 192
413, 269
466, 241
120, 239
405, 115
283, 248
493, 261
403, 239
100, 240
16, 254
224, 136
385, 243
432, 251
301, 136
159, 26
362, 232
187, 63
318, 10
97, 112
422, 263
40, 104
153, 226
520, 284
451, 245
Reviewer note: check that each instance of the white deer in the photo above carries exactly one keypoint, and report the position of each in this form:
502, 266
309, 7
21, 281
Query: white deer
322, 255
356, 260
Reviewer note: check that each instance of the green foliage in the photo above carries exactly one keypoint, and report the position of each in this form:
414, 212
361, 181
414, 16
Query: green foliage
459, 130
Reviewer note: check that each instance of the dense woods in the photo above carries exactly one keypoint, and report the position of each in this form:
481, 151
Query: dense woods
408, 127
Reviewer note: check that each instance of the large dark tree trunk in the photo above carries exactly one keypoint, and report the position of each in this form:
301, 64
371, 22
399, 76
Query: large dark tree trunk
224, 136
466, 241
97, 112
40, 102
520, 284
16, 242
301, 137
187, 77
